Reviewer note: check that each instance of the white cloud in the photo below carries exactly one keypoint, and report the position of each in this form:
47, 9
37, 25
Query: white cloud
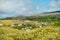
7, 6
24, 9
53, 4
18, 7
12, 5
37, 8
58, 2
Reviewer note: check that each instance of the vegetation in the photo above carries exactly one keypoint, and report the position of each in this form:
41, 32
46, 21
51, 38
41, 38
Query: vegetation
47, 32
44, 33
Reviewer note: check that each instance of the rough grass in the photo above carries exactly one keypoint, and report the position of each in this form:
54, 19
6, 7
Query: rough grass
44, 33
10, 22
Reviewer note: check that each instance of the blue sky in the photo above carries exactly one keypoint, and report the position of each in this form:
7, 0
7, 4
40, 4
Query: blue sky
27, 7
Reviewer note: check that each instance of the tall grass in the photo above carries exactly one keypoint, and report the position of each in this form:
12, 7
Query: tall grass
44, 33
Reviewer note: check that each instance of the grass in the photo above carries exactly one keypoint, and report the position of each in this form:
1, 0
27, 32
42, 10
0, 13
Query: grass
10, 22
50, 32
44, 33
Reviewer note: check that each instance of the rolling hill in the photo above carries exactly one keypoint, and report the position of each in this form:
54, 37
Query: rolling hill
54, 13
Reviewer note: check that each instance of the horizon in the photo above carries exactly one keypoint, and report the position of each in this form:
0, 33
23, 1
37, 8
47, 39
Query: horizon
27, 7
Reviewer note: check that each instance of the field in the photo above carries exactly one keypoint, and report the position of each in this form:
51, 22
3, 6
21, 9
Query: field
11, 30
44, 33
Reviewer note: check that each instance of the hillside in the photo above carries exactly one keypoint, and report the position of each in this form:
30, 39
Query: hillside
45, 26
54, 13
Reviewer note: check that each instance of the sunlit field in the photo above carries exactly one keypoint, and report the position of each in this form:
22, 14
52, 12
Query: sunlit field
44, 33
36, 32
35, 28
30, 28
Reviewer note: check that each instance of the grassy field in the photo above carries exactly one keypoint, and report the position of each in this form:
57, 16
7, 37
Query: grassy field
49, 32
44, 33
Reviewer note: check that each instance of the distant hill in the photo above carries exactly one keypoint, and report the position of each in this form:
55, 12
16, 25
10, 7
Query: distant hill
49, 13
33, 16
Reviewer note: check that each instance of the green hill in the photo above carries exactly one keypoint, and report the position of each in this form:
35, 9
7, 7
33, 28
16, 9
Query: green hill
54, 13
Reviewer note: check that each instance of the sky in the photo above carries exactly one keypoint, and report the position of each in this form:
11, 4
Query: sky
27, 7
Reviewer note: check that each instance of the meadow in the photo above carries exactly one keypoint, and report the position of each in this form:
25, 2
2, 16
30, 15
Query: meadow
44, 33
37, 32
